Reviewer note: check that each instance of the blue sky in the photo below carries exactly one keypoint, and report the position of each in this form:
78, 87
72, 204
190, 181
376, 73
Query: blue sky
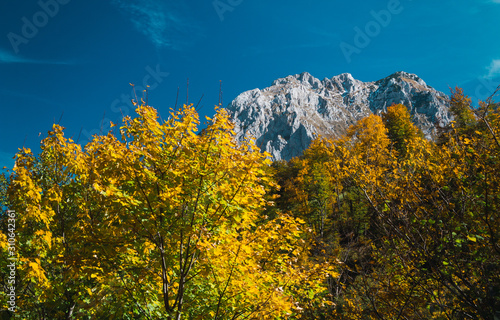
71, 61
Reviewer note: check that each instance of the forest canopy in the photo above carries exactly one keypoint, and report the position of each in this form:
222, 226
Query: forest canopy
161, 220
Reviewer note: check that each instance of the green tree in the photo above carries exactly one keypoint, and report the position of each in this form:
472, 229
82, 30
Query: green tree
400, 129
461, 109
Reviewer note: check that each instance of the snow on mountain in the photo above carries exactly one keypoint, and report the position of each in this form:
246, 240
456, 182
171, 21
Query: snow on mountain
285, 117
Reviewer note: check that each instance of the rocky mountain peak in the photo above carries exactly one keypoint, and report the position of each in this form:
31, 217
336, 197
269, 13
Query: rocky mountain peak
285, 117
401, 77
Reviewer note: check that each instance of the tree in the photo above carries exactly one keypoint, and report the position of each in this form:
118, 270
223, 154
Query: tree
161, 222
460, 107
400, 128
424, 222
434, 212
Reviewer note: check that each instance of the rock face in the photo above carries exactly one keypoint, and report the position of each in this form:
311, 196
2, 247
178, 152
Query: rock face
285, 117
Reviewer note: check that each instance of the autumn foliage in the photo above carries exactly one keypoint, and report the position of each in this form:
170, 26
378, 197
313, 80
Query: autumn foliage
159, 220
415, 224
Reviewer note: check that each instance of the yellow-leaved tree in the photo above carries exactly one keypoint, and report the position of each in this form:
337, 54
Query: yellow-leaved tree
160, 221
415, 223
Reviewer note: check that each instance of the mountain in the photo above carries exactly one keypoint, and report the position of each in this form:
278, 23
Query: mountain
285, 117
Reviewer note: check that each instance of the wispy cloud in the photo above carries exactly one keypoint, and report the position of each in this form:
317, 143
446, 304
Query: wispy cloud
29, 97
165, 23
494, 68
7, 57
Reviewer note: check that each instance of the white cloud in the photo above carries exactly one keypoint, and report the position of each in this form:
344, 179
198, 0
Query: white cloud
493, 69
165, 23
7, 57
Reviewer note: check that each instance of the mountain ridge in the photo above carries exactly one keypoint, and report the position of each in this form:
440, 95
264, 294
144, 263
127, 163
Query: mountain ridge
286, 116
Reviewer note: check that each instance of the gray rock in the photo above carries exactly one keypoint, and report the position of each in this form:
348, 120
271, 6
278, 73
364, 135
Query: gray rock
285, 117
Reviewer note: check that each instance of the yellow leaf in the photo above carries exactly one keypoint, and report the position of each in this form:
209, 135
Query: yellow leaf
472, 238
